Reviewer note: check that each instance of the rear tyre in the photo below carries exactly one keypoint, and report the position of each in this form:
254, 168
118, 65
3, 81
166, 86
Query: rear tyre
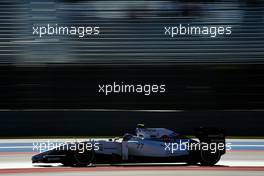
209, 158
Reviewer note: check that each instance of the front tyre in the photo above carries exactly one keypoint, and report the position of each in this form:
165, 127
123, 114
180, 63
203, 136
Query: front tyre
83, 159
79, 158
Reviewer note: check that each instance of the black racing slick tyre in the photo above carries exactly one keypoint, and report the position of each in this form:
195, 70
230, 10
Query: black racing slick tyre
83, 159
209, 158
79, 158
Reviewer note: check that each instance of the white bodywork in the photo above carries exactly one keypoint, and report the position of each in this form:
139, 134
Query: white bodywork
147, 142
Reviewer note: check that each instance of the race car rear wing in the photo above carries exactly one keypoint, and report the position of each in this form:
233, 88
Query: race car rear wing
211, 135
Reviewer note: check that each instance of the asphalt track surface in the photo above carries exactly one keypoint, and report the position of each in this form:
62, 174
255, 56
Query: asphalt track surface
246, 157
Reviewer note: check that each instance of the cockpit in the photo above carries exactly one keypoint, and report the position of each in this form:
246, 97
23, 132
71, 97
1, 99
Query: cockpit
153, 133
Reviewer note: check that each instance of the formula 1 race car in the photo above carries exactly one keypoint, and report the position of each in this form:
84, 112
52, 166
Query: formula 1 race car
149, 145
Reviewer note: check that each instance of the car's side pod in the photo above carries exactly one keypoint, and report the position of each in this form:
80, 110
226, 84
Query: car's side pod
211, 135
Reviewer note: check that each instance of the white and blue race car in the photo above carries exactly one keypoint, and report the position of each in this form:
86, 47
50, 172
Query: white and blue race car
148, 145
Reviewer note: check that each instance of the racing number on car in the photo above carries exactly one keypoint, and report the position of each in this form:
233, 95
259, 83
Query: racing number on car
140, 145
